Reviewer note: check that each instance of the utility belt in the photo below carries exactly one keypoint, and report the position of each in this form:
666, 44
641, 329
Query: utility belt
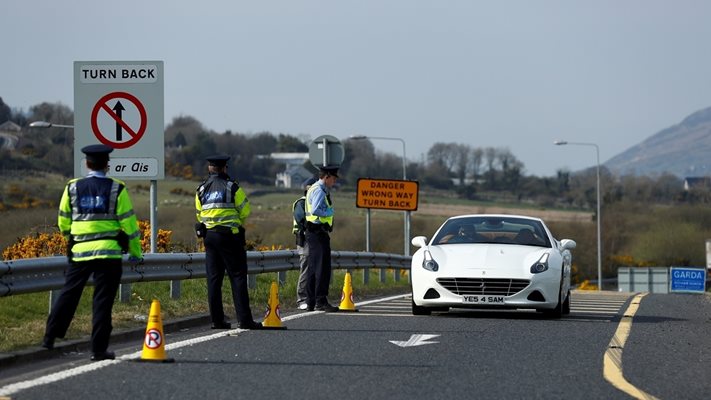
311, 227
221, 229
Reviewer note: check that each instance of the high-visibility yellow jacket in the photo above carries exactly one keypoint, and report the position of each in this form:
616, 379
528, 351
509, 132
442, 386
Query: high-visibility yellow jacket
319, 209
92, 212
298, 211
219, 201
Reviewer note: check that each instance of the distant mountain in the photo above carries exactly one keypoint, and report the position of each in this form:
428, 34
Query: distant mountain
683, 150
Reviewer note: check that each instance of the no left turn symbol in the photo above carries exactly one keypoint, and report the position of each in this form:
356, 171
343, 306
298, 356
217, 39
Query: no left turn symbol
119, 120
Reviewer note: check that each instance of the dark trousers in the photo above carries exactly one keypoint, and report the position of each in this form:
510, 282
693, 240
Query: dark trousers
107, 277
319, 270
301, 294
226, 252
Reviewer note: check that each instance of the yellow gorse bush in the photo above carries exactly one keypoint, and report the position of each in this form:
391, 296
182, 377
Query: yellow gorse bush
54, 244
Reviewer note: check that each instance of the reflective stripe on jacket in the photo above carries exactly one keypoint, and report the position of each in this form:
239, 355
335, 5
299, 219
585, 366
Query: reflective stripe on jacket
219, 201
93, 210
298, 210
319, 209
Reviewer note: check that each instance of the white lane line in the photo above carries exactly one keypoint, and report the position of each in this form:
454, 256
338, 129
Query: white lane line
14, 388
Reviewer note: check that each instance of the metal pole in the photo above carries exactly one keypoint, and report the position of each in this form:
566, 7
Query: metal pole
599, 215
406, 214
366, 270
599, 222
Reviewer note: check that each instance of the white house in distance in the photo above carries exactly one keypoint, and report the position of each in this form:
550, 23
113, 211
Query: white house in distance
294, 172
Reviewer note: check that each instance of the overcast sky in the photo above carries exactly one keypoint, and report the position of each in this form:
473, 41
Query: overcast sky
510, 74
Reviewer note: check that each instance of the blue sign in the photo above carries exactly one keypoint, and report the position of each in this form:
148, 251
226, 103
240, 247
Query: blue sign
689, 280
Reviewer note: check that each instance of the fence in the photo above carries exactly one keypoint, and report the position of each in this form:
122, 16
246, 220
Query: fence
658, 280
47, 273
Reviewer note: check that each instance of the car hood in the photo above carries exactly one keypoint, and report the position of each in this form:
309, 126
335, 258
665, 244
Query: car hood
486, 259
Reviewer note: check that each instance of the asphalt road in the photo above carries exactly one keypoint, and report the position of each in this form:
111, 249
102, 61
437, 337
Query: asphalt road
376, 354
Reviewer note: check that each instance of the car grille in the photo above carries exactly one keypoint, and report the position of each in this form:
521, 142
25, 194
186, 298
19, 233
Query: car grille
487, 286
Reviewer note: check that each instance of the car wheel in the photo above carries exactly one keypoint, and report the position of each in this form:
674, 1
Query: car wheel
417, 310
557, 312
566, 304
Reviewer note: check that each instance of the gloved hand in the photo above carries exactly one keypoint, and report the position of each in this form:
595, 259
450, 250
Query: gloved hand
134, 259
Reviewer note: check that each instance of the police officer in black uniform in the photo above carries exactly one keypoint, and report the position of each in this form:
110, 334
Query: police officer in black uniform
96, 216
222, 208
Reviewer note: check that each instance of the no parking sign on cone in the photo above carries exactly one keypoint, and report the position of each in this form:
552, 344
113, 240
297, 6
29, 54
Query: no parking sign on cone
154, 341
272, 319
347, 295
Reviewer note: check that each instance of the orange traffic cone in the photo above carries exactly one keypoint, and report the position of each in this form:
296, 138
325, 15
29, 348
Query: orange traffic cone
272, 319
154, 341
347, 295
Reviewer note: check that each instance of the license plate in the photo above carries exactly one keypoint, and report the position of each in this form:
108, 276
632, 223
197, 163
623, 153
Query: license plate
481, 299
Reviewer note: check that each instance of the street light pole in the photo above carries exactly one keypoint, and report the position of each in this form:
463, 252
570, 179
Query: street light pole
404, 177
599, 216
45, 124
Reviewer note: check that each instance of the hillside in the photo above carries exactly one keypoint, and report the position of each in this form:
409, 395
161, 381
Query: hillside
682, 150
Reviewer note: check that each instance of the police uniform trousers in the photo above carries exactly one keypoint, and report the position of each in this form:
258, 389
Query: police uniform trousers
225, 252
107, 278
319, 269
301, 293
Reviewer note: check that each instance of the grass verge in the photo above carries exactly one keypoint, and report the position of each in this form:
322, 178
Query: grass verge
23, 317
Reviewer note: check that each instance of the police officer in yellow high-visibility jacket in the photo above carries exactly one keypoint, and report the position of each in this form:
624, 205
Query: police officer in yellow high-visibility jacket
319, 222
222, 206
96, 215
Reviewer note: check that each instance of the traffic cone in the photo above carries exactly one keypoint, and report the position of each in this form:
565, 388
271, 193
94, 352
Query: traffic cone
347, 295
272, 319
154, 341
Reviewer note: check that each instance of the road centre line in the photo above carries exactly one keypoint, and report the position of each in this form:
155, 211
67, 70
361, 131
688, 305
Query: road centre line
612, 360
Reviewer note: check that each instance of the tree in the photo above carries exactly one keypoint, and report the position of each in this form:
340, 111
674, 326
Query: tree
5, 112
291, 144
462, 162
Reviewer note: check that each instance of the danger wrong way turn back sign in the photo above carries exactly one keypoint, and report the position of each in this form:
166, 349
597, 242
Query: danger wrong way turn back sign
387, 194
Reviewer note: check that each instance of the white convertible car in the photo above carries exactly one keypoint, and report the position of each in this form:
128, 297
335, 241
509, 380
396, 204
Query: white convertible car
492, 261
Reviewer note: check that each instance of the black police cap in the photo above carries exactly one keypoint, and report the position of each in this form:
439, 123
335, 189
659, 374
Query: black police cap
309, 182
97, 152
218, 160
333, 171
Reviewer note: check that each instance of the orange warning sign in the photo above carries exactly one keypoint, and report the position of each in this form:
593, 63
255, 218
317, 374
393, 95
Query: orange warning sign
387, 194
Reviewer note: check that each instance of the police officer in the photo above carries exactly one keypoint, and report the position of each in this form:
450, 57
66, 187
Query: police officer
96, 216
222, 206
319, 223
299, 231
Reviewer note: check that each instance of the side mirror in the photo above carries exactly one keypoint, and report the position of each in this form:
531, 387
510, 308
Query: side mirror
419, 241
567, 244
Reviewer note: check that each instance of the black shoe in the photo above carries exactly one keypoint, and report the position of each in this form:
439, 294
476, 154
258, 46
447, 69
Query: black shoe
251, 325
309, 308
48, 342
326, 308
103, 355
221, 325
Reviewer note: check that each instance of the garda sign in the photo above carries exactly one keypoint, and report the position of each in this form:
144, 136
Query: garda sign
688, 280
387, 194
120, 104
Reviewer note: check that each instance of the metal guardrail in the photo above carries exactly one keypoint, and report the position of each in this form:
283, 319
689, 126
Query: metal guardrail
47, 273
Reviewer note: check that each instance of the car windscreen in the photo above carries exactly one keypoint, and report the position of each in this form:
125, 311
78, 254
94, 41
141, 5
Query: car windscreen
506, 230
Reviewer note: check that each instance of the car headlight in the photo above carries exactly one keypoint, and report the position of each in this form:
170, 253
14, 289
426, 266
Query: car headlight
540, 265
429, 263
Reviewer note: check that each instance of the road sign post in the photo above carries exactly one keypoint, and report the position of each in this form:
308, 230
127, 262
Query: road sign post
386, 194
120, 104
